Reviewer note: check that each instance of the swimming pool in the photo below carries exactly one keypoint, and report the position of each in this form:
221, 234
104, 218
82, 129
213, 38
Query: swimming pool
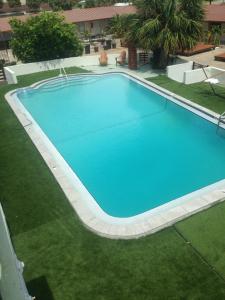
132, 148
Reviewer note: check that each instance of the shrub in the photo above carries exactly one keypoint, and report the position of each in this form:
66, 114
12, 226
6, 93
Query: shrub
33, 4
44, 37
13, 3
61, 4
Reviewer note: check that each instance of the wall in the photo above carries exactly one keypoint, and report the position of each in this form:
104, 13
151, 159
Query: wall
80, 61
12, 285
198, 75
22, 1
176, 72
94, 27
10, 76
184, 73
194, 76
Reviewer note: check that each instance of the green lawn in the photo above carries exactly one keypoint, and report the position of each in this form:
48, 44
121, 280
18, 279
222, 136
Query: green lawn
199, 93
64, 261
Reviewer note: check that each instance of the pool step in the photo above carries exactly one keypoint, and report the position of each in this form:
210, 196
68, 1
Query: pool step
2, 75
66, 82
221, 120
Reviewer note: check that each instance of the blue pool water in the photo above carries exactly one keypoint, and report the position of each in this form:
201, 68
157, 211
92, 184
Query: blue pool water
132, 149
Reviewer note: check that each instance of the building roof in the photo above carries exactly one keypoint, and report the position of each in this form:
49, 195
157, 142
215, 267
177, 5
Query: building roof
96, 13
78, 15
215, 13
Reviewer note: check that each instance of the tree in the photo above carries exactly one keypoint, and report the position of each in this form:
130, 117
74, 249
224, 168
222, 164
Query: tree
61, 4
44, 37
163, 26
34, 5
13, 3
1, 3
193, 9
90, 3
213, 36
127, 27
169, 25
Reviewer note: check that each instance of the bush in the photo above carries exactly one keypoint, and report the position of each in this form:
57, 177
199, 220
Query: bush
44, 37
33, 4
13, 3
61, 4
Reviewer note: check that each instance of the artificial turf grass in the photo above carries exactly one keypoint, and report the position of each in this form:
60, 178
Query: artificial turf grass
206, 232
42, 203
81, 265
62, 257
199, 93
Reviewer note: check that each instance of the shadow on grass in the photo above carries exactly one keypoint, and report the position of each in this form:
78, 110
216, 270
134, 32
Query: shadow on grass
39, 288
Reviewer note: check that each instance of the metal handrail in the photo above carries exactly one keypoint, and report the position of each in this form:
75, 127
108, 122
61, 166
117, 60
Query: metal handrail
221, 118
212, 88
62, 71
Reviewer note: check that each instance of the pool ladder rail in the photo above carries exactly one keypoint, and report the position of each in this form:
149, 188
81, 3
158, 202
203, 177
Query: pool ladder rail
62, 72
221, 119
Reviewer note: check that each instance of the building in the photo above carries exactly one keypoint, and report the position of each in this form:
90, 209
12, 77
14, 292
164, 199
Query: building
95, 20
215, 15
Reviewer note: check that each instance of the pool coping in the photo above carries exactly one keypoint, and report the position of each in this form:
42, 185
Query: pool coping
87, 209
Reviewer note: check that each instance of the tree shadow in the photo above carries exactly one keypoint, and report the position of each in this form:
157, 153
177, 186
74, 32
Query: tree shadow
39, 288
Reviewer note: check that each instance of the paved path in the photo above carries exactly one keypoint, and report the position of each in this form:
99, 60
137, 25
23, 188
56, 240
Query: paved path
207, 58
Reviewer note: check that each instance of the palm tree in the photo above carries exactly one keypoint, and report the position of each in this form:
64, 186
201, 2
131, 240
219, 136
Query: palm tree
169, 25
214, 35
127, 27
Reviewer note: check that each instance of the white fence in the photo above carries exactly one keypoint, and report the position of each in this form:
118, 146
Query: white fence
10, 76
199, 75
177, 72
81, 61
184, 73
12, 285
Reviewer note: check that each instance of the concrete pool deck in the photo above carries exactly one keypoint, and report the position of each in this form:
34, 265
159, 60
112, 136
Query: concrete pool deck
88, 210
142, 72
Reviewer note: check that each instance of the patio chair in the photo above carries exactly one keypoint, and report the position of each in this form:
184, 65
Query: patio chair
121, 60
103, 59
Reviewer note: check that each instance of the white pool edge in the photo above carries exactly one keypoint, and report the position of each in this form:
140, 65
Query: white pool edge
87, 209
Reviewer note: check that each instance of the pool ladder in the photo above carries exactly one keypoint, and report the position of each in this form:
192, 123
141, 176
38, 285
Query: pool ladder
62, 72
221, 119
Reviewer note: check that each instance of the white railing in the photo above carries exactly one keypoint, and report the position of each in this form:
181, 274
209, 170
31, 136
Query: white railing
12, 285
62, 71
221, 118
